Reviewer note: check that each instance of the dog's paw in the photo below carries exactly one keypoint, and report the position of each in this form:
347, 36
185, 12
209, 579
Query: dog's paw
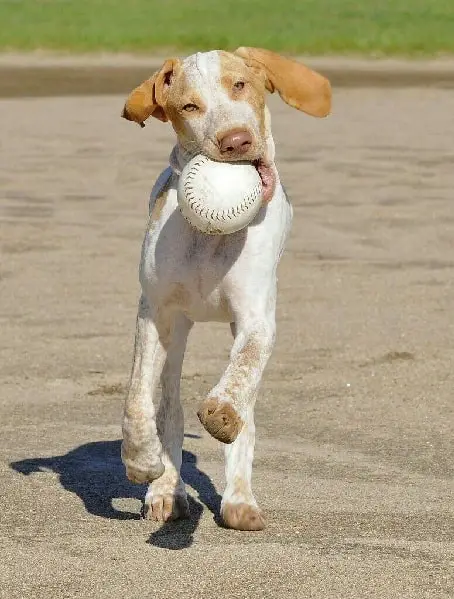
242, 516
220, 419
163, 508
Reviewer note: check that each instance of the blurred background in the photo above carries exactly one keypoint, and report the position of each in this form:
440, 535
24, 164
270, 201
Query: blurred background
372, 27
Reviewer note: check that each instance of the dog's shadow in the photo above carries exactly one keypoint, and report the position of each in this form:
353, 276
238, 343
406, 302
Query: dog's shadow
95, 473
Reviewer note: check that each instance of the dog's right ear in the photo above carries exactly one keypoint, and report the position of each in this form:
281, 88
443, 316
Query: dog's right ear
149, 98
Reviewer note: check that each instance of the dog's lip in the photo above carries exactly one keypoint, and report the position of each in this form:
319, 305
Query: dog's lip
267, 176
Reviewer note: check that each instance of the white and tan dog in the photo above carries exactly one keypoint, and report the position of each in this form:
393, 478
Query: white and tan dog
215, 102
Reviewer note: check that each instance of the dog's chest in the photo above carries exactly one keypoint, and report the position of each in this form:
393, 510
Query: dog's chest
184, 270
207, 277
202, 277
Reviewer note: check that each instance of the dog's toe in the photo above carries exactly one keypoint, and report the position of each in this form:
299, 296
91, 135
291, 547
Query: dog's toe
164, 508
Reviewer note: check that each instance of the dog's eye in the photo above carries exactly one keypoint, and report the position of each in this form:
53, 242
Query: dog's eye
190, 107
239, 85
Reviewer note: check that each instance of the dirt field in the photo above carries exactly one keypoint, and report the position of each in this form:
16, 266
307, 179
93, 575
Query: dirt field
354, 463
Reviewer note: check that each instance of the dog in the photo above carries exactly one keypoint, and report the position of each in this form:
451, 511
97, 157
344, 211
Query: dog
215, 102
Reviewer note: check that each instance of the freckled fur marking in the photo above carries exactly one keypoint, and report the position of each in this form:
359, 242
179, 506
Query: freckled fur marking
246, 360
250, 354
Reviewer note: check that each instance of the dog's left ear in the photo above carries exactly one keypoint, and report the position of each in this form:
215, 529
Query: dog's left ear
148, 99
298, 86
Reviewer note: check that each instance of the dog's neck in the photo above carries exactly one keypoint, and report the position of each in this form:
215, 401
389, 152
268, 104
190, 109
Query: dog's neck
178, 159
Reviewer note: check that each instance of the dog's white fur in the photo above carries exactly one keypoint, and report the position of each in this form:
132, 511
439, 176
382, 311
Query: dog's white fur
186, 277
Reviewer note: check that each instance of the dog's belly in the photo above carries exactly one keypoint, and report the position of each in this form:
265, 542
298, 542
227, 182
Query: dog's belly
196, 303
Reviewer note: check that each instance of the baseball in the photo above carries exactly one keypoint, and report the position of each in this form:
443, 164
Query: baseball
219, 198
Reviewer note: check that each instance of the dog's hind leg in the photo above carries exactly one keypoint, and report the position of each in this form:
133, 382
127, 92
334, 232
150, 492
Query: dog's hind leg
141, 448
166, 497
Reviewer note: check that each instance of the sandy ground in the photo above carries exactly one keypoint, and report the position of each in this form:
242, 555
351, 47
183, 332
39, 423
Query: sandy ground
355, 422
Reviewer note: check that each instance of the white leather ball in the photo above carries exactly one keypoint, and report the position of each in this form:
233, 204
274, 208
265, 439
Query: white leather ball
219, 198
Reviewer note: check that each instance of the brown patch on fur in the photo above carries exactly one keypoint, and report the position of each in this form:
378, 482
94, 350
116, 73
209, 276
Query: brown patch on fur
161, 200
158, 206
220, 420
235, 69
298, 86
180, 94
148, 98
178, 296
242, 516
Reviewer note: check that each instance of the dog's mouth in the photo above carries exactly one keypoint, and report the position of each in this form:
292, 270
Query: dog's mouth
268, 178
265, 170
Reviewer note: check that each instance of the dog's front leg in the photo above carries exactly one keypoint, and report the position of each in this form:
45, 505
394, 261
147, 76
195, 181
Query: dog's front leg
141, 448
226, 408
228, 415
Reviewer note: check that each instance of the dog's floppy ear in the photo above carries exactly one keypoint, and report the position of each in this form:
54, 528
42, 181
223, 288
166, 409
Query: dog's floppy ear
149, 98
298, 86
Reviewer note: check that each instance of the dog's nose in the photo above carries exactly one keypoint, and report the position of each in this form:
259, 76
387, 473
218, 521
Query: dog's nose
236, 142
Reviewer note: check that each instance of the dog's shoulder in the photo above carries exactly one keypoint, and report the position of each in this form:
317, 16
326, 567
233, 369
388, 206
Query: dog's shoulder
166, 180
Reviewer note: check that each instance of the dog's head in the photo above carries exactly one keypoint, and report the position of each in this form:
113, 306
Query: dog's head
216, 102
